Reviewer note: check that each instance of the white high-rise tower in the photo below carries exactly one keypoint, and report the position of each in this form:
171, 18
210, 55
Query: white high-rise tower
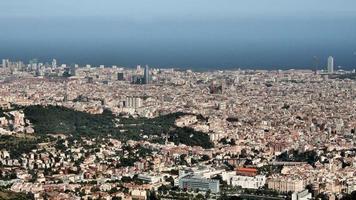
5, 63
54, 63
330, 65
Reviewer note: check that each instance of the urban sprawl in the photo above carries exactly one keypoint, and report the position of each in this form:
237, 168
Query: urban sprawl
109, 132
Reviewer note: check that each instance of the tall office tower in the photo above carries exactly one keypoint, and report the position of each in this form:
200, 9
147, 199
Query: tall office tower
330, 65
146, 75
4, 63
120, 76
54, 63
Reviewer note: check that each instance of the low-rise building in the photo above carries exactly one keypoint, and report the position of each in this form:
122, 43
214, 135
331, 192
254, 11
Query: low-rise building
196, 182
286, 184
250, 182
303, 195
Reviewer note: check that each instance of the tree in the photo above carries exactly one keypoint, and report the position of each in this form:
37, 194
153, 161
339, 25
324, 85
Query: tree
351, 196
171, 180
113, 190
205, 158
207, 194
126, 179
322, 196
199, 196
153, 195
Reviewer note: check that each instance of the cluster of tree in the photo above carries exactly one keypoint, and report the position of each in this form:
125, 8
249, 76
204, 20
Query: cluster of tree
225, 141
190, 137
126, 162
2, 114
7, 195
351, 196
4, 176
17, 146
294, 156
56, 119
270, 169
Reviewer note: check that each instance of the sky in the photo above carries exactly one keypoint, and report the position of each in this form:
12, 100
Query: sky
181, 33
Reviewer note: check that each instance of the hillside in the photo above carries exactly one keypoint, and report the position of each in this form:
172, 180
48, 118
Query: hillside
56, 119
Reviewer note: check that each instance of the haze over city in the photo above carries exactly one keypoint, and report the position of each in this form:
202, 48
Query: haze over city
177, 99
200, 34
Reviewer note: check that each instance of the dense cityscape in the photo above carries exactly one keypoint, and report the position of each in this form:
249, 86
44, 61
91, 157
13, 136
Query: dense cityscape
110, 132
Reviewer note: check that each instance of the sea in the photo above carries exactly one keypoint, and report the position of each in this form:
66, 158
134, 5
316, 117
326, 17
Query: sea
203, 45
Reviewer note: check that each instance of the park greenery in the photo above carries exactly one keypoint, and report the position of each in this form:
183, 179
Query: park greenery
294, 156
19, 145
7, 195
48, 120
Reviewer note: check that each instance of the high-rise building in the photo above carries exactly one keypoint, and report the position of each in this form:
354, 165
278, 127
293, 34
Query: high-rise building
135, 79
120, 76
54, 63
4, 63
146, 75
330, 65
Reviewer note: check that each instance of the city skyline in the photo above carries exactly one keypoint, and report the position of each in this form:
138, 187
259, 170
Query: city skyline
327, 66
199, 34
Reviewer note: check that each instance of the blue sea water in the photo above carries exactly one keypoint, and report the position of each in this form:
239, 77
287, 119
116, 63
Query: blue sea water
263, 43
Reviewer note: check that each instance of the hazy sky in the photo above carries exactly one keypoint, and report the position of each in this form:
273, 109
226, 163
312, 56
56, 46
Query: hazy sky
201, 33
175, 9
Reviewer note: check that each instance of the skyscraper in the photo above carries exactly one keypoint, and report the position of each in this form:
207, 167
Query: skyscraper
4, 63
330, 65
146, 75
120, 76
54, 63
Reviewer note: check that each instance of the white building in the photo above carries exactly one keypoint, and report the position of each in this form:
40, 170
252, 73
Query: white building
150, 178
192, 182
54, 63
303, 195
250, 182
133, 102
5, 63
330, 65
